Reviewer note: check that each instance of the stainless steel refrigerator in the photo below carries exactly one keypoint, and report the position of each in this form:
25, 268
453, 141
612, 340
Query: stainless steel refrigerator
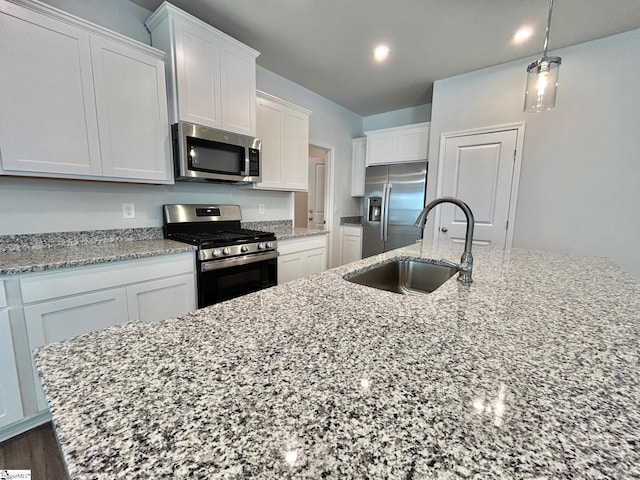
393, 198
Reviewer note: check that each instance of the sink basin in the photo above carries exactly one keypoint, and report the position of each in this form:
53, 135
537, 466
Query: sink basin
405, 276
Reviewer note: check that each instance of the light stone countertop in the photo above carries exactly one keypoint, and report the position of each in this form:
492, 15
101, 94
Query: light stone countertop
43, 259
531, 372
287, 233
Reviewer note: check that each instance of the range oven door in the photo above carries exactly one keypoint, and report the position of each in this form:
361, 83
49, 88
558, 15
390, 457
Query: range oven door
221, 280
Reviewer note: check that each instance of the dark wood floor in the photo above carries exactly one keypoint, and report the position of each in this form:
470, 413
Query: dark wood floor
35, 450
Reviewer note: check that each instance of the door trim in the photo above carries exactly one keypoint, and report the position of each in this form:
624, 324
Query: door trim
329, 197
519, 127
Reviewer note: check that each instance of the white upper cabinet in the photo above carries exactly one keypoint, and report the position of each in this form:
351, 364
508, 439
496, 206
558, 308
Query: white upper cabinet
79, 101
409, 143
358, 166
212, 77
132, 112
283, 129
47, 120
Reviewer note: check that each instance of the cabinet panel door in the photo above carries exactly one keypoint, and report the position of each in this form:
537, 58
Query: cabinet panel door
58, 320
238, 85
132, 112
290, 267
160, 299
198, 71
358, 166
381, 149
315, 261
412, 144
10, 399
269, 131
295, 158
48, 117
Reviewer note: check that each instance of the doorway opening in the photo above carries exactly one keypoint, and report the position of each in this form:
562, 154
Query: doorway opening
310, 207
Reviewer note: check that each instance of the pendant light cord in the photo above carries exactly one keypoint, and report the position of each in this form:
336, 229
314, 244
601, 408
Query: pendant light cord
546, 33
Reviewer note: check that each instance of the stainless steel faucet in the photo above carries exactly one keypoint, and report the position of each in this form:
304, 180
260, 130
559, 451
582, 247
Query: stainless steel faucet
466, 261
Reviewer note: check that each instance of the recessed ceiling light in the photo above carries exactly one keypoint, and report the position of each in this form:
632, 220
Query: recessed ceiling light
380, 53
522, 34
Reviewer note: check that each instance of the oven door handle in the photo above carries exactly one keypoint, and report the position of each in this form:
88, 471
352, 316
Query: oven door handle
237, 261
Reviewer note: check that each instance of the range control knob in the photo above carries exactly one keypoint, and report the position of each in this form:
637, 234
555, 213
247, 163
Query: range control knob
261, 246
244, 249
226, 251
269, 244
217, 253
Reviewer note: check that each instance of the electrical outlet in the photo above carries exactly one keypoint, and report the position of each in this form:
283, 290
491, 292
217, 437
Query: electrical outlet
128, 210
261, 208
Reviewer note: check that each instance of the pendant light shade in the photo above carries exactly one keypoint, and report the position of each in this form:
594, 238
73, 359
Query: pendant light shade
542, 78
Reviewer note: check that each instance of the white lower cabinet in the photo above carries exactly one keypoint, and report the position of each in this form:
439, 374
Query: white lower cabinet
160, 299
10, 398
350, 243
67, 303
300, 257
58, 320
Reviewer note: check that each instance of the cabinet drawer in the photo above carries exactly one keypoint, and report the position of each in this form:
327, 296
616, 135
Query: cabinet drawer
3, 295
37, 288
301, 244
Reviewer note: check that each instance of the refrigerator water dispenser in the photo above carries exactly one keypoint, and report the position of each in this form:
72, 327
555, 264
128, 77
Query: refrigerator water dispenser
375, 209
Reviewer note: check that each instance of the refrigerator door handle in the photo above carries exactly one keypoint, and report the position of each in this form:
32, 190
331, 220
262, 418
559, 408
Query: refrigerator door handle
383, 215
385, 224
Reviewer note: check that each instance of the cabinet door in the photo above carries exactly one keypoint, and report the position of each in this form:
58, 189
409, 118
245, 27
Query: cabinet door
10, 399
315, 261
132, 112
47, 115
58, 320
290, 267
160, 299
238, 89
412, 144
198, 72
351, 244
295, 155
381, 148
358, 167
269, 126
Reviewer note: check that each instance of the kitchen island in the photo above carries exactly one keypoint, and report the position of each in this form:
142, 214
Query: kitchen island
531, 372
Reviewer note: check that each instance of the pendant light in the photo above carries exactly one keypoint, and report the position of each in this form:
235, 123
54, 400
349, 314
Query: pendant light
542, 78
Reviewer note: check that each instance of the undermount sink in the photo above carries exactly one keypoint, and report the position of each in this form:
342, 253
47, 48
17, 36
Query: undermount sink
405, 276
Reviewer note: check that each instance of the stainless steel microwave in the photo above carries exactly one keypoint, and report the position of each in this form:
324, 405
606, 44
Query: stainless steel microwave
207, 154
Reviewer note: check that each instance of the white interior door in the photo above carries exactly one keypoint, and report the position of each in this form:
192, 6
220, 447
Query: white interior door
317, 174
478, 169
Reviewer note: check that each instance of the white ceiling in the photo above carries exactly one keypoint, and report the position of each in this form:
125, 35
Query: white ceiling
325, 45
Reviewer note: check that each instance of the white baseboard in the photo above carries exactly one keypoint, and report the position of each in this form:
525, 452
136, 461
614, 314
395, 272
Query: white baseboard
22, 426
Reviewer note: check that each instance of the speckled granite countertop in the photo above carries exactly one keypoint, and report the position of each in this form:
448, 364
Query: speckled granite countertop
50, 251
283, 229
531, 372
296, 232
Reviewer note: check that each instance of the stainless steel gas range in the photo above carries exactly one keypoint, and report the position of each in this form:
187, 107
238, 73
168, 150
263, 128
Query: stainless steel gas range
230, 261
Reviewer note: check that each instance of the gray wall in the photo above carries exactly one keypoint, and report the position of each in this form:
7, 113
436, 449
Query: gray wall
397, 118
44, 205
579, 189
